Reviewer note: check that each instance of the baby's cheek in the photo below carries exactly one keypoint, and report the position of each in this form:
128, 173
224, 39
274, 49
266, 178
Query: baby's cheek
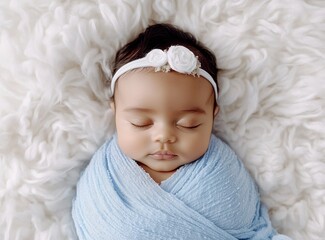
199, 146
130, 144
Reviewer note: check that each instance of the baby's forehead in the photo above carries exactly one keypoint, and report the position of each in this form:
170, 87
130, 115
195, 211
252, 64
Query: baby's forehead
148, 78
149, 88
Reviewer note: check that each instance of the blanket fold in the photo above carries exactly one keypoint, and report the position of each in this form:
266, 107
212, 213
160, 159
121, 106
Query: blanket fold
212, 198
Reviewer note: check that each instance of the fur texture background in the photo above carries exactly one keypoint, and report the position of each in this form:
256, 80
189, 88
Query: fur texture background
55, 57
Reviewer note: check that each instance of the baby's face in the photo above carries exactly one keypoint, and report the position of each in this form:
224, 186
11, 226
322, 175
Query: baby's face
163, 120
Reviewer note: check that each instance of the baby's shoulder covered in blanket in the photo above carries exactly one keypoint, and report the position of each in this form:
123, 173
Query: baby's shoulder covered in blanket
220, 154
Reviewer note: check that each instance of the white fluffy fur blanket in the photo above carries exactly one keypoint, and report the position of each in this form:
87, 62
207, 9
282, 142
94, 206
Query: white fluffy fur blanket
55, 56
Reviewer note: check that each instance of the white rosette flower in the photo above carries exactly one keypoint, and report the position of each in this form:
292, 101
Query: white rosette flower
156, 58
182, 60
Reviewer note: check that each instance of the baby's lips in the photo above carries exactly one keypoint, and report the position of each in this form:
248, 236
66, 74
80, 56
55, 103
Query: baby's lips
163, 155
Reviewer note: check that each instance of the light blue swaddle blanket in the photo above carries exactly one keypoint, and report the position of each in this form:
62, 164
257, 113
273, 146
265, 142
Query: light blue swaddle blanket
212, 198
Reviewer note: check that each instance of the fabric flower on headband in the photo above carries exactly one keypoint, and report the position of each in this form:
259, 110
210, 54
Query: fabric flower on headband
177, 58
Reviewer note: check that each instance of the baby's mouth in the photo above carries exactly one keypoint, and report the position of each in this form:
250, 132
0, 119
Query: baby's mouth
163, 155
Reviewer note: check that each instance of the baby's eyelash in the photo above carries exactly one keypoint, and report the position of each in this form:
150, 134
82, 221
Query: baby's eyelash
178, 125
190, 127
140, 125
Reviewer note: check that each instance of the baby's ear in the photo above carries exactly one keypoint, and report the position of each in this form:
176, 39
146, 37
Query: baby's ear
216, 111
112, 104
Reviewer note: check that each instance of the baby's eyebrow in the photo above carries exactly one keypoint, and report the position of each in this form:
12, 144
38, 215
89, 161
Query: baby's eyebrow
194, 110
138, 109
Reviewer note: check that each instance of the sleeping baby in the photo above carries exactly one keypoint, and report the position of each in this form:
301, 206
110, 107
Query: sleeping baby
164, 175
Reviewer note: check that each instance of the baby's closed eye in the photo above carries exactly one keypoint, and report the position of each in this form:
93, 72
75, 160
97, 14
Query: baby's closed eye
191, 124
141, 123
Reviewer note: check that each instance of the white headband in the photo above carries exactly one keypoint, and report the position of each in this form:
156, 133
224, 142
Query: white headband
177, 58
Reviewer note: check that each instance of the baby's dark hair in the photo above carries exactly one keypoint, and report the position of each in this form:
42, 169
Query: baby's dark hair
162, 36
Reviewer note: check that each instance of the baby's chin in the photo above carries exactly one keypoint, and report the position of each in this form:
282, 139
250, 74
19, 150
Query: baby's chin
165, 165
159, 167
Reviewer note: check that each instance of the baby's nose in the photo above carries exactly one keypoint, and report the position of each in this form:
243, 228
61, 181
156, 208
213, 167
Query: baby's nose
165, 134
